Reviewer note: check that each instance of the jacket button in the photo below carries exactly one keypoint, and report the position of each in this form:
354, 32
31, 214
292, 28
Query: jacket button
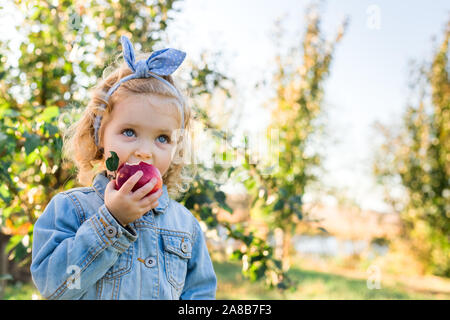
111, 231
184, 247
150, 262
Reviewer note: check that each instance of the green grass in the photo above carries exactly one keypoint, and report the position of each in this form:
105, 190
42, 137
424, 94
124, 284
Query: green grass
309, 285
21, 291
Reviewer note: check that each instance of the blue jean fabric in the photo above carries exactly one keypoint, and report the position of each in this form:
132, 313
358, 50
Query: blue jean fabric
80, 251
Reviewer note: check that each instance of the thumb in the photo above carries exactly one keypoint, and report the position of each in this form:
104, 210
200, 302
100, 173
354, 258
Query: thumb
111, 186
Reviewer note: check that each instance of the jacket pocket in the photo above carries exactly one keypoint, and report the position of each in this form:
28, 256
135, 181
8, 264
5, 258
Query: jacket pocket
122, 265
177, 252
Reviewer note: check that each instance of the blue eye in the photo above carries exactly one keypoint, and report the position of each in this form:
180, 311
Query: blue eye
128, 130
166, 138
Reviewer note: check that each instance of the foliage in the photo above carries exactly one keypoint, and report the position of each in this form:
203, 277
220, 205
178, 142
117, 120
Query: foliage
205, 198
279, 188
296, 110
418, 156
256, 256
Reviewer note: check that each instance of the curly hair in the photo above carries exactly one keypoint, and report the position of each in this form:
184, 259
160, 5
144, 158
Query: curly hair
89, 159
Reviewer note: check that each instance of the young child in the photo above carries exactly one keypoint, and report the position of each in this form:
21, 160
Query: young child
97, 242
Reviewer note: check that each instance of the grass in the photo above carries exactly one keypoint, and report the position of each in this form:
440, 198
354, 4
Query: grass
21, 291
310, 284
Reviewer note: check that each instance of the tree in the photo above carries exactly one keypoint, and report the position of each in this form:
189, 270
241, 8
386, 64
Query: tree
298, 104
205, 197
417, 156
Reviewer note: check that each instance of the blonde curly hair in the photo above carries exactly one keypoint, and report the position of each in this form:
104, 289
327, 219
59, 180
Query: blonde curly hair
89, 159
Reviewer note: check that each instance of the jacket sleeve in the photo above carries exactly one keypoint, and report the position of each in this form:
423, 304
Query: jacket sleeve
200, 282
69, 257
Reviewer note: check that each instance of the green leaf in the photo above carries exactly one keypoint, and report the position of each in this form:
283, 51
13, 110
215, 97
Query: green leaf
236, 255
3, 138
31, 158
32, 142
278, 263
230, 171
9, 113
220, 196
51, 129
205, 212
7, 212
4, 174
226, 207
296, 199
199, 199
13, 242
278, 205
189, 202
112, 163
49, 114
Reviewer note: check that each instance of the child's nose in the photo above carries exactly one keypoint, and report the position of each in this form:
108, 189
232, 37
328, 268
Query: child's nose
144, 155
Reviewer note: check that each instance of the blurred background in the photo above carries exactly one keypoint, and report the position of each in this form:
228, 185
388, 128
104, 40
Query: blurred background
325, 163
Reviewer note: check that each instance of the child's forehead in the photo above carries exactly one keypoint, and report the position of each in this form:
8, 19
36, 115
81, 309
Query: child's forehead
140, 107
154, 101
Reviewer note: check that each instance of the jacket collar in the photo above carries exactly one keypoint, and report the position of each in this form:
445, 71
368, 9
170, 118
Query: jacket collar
100, 182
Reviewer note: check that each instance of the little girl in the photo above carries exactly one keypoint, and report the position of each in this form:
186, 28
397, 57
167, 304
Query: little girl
97, 242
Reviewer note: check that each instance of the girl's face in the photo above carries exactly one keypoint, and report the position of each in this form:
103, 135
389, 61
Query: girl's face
141, 128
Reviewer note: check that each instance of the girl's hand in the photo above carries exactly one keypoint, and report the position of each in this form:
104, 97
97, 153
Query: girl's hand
127, 206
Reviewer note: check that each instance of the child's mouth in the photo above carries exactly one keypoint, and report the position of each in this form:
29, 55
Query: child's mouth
135, 162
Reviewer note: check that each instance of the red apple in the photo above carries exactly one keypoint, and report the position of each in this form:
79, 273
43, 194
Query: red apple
126, 170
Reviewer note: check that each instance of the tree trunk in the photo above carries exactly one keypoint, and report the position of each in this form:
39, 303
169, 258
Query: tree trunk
3, 263
282, 247
286, 256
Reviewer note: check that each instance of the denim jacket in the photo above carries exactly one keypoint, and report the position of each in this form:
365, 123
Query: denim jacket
80, 251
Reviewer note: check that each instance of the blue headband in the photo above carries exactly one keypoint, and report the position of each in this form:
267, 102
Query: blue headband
162, 62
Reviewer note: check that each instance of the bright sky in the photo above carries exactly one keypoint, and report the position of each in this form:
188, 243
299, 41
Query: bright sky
369, 73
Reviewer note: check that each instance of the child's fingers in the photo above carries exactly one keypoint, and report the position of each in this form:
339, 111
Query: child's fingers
110, 186
154, 196
129, 184
145, 189
152, 205
151, 199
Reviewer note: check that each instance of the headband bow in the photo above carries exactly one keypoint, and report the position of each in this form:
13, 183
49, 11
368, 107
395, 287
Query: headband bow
162, 62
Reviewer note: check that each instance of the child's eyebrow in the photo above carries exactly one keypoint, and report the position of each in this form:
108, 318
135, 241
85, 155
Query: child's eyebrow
163, 130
